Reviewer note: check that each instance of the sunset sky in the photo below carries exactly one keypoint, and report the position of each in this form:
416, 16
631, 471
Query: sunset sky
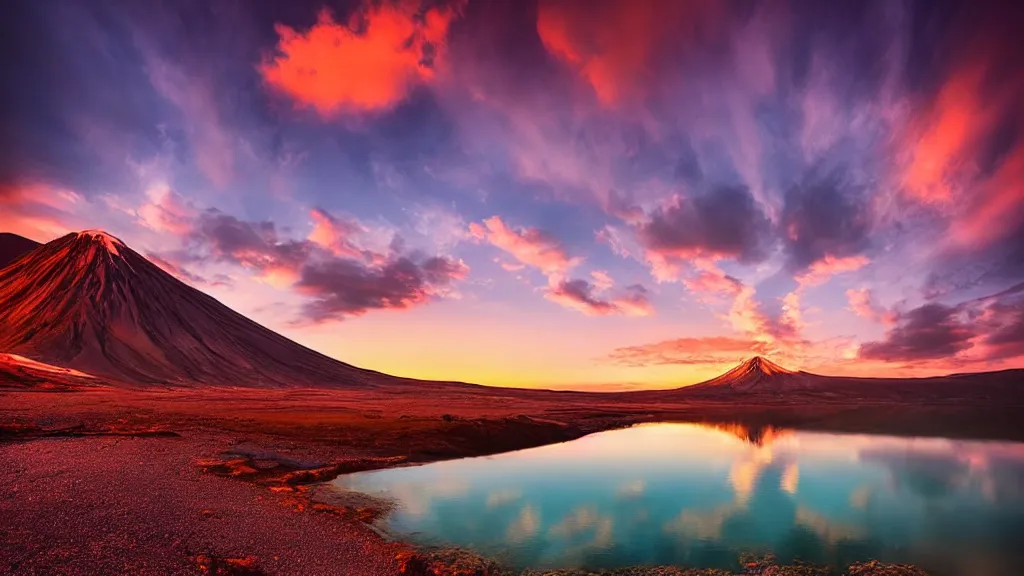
570, 194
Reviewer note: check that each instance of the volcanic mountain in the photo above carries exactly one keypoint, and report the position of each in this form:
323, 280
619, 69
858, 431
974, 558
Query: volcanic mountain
87, 301
13, 247
756, 375
761, 381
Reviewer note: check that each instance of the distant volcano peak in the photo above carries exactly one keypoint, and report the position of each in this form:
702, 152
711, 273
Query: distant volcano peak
110, 242
760, 364
757, 374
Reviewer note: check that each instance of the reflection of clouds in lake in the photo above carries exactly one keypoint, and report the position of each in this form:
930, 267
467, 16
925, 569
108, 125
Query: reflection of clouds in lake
746, 470
633, 489
578, 520
702, 524
861, 497
586, 531
826, 529
498, 498
934, 471
790, 478
416, 498
526, 524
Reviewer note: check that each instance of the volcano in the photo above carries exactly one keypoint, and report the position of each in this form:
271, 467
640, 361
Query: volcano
757, 375
88, 302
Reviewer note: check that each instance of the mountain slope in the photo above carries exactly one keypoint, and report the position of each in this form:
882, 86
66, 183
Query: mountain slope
13, 247
87, 301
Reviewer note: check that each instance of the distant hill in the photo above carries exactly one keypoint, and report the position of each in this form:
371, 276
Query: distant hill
760, 381
13, 247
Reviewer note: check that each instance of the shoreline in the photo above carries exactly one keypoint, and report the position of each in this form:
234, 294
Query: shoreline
154, 483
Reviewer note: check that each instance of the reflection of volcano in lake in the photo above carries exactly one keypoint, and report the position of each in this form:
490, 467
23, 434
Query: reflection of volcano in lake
685, 494
758, 435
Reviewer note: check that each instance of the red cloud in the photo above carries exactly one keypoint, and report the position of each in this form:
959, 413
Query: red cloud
612, 45
531, 246
166, 211
953, 161
38, 211
370, 63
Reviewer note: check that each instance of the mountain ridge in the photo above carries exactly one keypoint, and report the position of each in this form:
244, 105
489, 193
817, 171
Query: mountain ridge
13, 246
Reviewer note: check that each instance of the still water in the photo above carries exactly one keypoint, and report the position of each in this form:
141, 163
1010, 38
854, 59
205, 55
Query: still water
694, 495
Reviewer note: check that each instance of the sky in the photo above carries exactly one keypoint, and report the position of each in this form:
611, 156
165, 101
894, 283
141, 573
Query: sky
567, 194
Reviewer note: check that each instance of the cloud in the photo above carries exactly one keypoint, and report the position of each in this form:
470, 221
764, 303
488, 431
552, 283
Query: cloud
822, 270
340, 277
602, 281
255, 246
863, 304
342, 287
613, 46
530, 246
1003, 325
819, 272
823, 217
931, 331
724, 223
581, 295
370, 63
707, 350
166, 211
40, 211
213, 144
748, 317
334, 234
710, 280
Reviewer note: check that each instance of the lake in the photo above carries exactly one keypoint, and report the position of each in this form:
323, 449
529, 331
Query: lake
699, 495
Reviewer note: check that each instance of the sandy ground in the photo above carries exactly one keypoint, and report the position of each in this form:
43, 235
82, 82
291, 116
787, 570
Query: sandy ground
108, 481
123, 505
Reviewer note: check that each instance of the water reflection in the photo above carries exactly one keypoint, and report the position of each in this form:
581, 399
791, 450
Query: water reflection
699, 495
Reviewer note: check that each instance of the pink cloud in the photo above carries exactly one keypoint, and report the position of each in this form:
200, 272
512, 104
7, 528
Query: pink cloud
530, 246
334, 234
602, 281
689, 351
822, 270
862, 303
711, 280
40, 211
166, 211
